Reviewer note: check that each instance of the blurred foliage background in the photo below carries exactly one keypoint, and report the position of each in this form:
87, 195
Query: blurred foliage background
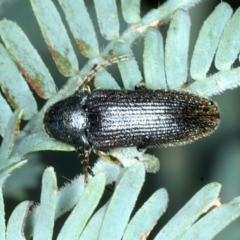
184, 170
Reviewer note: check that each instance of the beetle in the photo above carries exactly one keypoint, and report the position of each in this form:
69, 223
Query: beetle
103, 119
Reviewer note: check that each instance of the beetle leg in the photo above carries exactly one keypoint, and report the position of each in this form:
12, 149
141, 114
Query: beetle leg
141, 148
84, 155
141, 87
108, 157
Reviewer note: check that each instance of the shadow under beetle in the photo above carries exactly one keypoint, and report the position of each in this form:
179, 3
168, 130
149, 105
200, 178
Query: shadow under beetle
103, 119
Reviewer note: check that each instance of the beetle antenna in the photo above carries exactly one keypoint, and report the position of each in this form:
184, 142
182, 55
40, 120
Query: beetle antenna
102, 66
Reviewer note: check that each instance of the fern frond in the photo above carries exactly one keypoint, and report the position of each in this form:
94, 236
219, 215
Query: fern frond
164, 66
